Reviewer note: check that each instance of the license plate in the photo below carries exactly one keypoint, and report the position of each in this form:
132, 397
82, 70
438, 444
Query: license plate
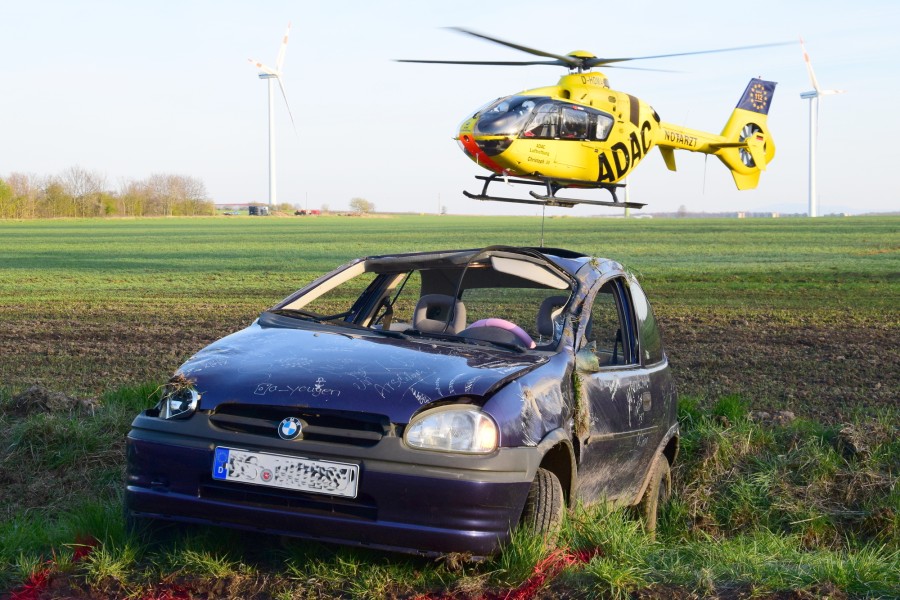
288, 472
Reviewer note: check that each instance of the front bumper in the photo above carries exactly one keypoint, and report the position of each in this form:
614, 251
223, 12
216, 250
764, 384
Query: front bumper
408, 500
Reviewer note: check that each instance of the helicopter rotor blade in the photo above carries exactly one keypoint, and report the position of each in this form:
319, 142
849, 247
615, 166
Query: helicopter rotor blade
593, 62
642, 69
566, 60
485, 62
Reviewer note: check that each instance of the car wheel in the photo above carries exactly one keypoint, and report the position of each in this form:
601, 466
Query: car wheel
545, 506
657, 494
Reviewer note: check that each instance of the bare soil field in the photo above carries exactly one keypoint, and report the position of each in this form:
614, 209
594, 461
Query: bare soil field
827, 371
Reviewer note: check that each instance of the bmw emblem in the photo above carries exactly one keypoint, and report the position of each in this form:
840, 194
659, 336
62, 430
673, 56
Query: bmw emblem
290, 428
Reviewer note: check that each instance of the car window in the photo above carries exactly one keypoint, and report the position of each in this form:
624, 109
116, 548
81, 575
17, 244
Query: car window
400, 302
520, 306
522, 297
341, 298
609, 325
651, 341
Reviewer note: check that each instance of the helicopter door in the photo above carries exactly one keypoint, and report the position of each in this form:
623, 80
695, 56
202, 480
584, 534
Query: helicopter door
574, 123
573, 133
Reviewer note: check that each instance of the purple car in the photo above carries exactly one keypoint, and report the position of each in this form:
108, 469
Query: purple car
428, 403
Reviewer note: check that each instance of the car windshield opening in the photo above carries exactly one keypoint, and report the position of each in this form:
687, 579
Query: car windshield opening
496, 299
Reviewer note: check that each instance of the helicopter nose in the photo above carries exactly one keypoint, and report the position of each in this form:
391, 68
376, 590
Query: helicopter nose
472, 149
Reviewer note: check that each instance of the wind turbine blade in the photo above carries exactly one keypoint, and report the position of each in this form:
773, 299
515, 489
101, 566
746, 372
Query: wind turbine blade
812, 75
263, 68
831, 92
287, 104
279, 62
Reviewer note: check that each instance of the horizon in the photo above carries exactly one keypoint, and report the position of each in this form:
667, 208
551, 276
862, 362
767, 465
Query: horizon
167, 89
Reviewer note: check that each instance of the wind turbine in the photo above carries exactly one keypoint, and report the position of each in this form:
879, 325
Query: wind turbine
813, 97
271, 75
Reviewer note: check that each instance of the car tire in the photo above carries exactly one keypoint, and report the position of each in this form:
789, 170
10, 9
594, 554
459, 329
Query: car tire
545, 507
658, 492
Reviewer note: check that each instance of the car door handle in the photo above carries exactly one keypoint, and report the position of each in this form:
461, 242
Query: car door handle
647, 400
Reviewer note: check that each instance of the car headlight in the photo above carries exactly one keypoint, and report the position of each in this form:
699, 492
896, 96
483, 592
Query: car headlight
178, 402
453, 429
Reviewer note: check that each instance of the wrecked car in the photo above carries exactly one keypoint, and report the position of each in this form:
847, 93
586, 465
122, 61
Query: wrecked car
428, 403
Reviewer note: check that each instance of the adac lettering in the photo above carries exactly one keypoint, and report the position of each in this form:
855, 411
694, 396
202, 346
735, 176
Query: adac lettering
624, 156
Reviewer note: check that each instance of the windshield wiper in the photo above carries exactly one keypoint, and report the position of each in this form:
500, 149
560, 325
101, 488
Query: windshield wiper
389, 333
480, 342
452, 337
311, 316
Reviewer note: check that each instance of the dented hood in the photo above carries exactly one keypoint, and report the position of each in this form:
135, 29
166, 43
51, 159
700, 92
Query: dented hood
341, 369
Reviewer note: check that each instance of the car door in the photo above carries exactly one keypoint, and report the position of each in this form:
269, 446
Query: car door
613, 425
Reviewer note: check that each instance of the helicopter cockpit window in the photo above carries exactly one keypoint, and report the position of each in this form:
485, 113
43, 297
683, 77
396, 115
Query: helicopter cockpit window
574, 123
506, 116
545, 124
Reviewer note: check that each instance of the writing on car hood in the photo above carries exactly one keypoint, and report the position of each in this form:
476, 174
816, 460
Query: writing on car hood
340, 370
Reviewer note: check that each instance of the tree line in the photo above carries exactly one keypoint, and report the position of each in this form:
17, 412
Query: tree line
79, 192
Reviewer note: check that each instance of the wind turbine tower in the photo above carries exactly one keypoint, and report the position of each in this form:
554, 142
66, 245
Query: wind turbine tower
271, 75
813, 97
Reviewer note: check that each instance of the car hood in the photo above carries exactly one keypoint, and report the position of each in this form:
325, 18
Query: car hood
345, 370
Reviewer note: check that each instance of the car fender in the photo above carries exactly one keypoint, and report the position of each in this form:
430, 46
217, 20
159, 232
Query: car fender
671, 435
558, 455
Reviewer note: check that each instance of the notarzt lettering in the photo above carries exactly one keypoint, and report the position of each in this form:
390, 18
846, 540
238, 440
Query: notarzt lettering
688, 141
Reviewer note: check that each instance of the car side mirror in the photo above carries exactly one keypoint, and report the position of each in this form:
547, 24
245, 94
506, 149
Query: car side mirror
586, 360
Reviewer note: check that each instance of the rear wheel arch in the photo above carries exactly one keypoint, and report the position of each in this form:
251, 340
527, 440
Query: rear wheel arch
672, 448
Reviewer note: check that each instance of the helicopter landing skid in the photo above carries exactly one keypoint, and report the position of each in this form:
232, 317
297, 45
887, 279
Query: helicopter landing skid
550, 198
570, 202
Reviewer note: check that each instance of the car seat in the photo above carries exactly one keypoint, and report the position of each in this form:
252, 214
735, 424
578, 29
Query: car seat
549, 311
433, 310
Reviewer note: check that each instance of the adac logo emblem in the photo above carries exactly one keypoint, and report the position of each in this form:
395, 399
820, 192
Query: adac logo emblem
290, 428
759, 96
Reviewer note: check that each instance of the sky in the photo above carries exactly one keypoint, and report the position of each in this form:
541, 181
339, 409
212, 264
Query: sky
128, 89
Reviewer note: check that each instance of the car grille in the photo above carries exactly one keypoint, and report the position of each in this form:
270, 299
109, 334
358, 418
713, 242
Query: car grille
289, 500
339, 427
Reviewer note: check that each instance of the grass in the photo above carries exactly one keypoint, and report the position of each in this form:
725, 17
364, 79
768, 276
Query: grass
837, 263
97, 308
72, 291
758, 506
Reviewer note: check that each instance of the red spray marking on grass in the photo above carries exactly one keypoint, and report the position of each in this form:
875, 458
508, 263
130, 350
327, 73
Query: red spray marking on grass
37, 582
174, 592
546, 570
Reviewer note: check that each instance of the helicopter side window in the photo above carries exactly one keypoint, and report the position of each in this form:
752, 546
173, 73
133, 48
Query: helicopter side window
574, 124
601, 124
545, 123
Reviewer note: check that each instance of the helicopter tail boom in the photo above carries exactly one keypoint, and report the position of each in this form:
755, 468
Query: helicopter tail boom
744, 146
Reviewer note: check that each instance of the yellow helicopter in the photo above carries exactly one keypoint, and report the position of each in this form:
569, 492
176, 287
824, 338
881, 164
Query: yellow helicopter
580, 133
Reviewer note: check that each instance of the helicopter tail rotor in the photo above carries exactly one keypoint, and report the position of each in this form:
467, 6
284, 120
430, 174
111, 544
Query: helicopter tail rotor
748, 146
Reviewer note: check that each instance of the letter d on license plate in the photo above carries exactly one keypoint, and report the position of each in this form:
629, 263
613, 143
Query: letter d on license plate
288, 472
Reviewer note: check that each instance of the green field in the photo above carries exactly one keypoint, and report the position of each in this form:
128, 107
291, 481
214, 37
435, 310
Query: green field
791, 314
89, 305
